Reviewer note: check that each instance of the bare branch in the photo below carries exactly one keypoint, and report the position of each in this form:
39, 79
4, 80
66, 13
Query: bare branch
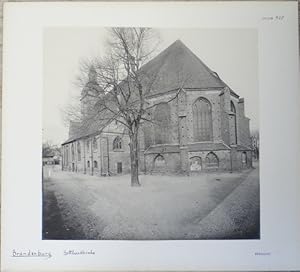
115, 87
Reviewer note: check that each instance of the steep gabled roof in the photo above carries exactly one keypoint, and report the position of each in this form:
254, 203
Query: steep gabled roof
74, 128
91, 125
177, 66
88, 127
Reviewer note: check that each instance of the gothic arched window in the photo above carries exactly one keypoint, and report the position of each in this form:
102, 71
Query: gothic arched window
202, 120
162, 119
233, 124
117, 143
212, 160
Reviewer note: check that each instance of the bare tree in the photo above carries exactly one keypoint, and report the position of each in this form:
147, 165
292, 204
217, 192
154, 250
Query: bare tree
123, 84
48, 149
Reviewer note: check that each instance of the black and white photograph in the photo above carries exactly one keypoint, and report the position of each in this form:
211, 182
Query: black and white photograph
150, 134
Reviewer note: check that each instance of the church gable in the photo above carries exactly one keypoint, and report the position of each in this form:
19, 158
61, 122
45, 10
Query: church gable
177, 67
195, 118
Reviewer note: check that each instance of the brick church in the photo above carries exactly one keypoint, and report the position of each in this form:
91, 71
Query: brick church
204, 128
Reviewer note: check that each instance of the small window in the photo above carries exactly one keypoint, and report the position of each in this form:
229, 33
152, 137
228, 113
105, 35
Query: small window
95, 164
88, 164
117, 143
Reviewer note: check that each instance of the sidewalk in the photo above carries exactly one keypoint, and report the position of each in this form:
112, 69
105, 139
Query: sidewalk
238, 215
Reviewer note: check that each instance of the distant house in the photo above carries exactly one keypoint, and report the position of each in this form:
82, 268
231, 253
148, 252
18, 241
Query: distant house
48, 160
51, 157
203, 129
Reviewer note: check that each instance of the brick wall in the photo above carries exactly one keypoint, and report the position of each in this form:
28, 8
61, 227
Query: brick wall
223, 157
243, 125
225, 106
172, 163
224, 129
98, 160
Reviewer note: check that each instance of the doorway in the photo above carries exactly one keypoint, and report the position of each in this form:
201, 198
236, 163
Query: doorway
119, 167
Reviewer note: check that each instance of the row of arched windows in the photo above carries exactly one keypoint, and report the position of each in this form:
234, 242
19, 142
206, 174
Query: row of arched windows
202, 123
95, 164
117, 144
211, 161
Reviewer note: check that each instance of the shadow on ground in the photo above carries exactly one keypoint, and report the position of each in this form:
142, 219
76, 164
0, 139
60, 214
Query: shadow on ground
54, 227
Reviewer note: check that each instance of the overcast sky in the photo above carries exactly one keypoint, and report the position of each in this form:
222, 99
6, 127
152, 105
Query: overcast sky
232, 53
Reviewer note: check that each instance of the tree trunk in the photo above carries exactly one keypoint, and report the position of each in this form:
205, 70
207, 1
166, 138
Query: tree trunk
134, 159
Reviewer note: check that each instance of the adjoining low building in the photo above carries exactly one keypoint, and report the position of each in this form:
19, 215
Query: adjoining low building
51, 159
202, 124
